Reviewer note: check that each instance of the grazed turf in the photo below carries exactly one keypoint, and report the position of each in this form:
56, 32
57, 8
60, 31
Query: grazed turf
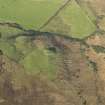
29, 13
75, 21
6, 31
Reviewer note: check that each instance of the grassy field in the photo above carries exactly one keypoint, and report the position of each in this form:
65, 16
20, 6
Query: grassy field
29, 13
40, 62
73, 20
76, 22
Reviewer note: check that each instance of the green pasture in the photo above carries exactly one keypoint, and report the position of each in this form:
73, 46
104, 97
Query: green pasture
28, 13
73, 21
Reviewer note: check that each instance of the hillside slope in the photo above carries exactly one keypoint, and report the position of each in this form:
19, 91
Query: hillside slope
68, 84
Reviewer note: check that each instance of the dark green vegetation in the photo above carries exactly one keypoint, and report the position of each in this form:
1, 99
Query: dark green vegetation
99, 49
